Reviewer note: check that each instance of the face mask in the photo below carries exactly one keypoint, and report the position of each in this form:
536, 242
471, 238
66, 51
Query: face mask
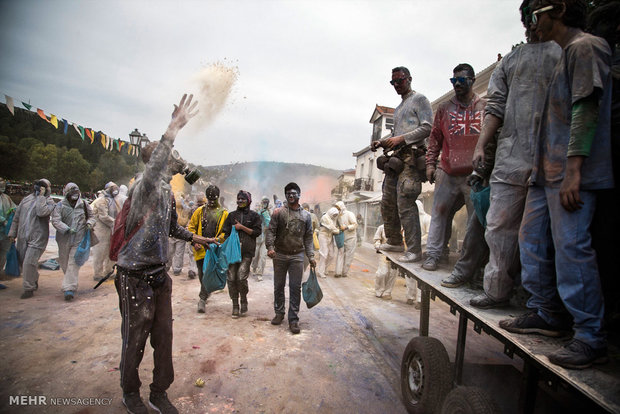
114, 193
74, 197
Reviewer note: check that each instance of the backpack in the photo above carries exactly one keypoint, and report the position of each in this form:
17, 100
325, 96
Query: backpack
118, 239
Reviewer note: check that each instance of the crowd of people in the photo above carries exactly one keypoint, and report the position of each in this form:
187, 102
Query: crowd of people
541, 145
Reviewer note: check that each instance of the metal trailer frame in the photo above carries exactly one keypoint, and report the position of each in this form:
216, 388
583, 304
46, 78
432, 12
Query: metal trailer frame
599, 384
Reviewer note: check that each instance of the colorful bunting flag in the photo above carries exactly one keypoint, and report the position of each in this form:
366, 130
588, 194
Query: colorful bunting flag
80, 133
120, 145
89, 135
66, 125
9, 104
54, 121
103, 143
42, 114
27, 106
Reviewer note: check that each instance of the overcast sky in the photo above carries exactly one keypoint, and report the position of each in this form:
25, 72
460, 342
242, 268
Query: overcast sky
309, 73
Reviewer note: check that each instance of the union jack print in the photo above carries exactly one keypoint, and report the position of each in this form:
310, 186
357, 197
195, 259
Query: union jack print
465, 122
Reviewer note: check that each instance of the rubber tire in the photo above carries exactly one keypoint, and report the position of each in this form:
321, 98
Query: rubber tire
432, 365
468, 400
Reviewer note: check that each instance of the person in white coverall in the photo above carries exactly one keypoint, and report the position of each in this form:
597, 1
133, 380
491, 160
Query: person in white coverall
6, 207
71, 217
385, 276
327, 246
105, 210
31, 229
347, 222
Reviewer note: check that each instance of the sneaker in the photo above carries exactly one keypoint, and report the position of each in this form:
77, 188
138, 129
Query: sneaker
176, 273
134, 403
337, 276
529, 323
27, 294
387, 296
201, 306
159, 402
294, 327
410, 302
277, 320
2, 286
485, 302
430, 263
578, 355
244, 308
191, 274
344, 275
410, 257
392, 247
454, 280
235, 311
69, 295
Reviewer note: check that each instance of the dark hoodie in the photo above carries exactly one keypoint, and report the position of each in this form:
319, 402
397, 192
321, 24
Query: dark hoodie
250, 219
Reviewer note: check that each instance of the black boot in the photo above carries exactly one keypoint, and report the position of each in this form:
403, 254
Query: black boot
235, 311
244, 306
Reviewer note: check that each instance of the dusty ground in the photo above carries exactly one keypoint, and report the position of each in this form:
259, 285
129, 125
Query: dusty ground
346, 359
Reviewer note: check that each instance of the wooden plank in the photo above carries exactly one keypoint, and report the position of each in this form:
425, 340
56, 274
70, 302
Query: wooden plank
601, 383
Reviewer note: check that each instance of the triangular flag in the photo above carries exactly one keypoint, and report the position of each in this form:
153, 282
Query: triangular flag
66, 125
120, 145
80, 133
103, 142
9, 104
54, 121
42, 114
81, 128
89, 134
27, 106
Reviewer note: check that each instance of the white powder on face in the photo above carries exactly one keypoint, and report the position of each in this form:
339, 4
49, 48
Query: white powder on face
214, 84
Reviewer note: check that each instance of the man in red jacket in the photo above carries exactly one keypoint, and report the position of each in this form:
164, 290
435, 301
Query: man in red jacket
455, 132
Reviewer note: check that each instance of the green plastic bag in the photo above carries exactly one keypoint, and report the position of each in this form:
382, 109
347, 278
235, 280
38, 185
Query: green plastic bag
217, 259
83, 250
311, 290
339, 239
481, 200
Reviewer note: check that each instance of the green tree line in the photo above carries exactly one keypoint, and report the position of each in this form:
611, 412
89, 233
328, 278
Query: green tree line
31, 148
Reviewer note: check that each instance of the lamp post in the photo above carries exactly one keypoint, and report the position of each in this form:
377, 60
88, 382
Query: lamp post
135, 138
144, 141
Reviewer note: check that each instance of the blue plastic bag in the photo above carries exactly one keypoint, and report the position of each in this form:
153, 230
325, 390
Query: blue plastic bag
83, 250
481, 200
213, 272
230, 251
9, 221
12, 262
339, 239
311, 290
217, 259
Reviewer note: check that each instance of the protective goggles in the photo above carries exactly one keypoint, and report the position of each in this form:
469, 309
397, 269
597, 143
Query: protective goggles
460, 79
397, 81
535, 13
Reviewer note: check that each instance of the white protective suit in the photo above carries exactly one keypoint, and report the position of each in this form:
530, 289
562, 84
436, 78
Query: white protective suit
6, 205
347, 222
31, 229
385, 276
105, 210
327, 246
71, 224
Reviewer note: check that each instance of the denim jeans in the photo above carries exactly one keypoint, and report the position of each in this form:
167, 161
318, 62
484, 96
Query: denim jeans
559, 264
293, 265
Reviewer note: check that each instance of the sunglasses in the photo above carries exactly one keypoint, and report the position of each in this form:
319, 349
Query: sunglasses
459, 79
535, 13
397, 81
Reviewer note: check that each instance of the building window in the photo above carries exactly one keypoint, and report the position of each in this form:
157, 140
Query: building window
389, 123
376, 130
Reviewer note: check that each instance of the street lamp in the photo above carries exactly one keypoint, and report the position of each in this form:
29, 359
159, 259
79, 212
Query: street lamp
135, 137
144, 141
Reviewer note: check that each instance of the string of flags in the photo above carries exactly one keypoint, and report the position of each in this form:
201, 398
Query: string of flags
107, 142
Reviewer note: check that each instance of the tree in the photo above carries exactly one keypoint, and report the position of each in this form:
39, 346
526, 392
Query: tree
74, 168
13, 161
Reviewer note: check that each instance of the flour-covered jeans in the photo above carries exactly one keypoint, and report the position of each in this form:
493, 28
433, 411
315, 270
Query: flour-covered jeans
559, 264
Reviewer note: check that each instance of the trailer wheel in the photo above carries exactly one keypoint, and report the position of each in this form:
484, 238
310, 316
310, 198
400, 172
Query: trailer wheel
468, 400
425, 375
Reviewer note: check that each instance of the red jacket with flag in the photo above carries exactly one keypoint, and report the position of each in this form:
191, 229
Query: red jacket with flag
455, 133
